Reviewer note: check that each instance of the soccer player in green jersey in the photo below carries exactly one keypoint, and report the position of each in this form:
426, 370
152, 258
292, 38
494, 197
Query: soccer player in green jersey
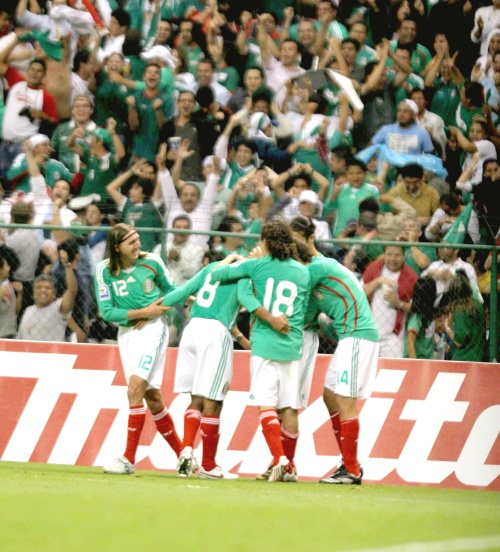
337, 293
282, 286
205, 360
130, 285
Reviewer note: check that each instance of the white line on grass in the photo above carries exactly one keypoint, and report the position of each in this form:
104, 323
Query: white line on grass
455, 545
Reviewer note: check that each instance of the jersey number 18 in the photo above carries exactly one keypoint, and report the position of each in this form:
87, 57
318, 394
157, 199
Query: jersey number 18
285, 294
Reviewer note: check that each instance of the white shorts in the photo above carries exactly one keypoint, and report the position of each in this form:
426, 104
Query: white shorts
274, 383
307, 363
353, 368
143, 352
205, 360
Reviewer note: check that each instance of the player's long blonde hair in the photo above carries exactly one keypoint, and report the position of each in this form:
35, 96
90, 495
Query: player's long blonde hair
118, 234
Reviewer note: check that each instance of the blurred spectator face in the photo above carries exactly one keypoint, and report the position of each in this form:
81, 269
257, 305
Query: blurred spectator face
44, 293
164, 32
407, 32
253, 80
269, 23
93, 215
35, 75
490, 169
413, 184
441, 45
261, 106
136, 194
405, 116
355, 176
288, 53
186, 33
403, 54
4, 270
299, 185
61, 190
494, 45
42, 151
4, 21
446, 70
307, 208
349, 51
476, 133
324, 8
186, 103
253, 210
114, 62
394, 258
418, 97
233, 243
496, 62
447, 254
358, 32
243, 155
115, 29
82, 111
205, 74
181, 224
215, 51
189, 197
152, 76
307, 33
337, 165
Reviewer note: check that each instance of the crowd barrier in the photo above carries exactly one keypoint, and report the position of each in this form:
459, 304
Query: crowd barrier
427, 422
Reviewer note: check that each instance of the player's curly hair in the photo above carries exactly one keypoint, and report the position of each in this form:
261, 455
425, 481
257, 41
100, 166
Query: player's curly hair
303, 225
279, 240
117, 235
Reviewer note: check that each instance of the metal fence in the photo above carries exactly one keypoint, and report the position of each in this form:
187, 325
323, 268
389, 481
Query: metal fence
389, 304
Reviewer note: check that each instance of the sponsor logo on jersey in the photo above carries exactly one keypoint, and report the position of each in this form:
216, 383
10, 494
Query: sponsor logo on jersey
104, 293
318, 295
148, 286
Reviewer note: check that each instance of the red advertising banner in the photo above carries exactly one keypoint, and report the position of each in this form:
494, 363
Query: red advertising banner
427, 423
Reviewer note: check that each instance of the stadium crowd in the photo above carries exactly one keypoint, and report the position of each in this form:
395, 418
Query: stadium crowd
219, 116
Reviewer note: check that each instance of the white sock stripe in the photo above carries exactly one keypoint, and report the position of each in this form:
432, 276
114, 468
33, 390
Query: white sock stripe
268, 414
290, 435
349, 420
137, 411
192, 413
210, 421
160, 414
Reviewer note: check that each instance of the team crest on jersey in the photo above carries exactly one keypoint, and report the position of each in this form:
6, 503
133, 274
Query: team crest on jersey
318, 295
103, 293
148, 286
225, 389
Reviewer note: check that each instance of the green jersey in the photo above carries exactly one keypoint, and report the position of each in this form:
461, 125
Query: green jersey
194, 55
143, 215
312, 311
282, 287
98, 173
347, 203
52, 171
133, 288
445, 101
64, 154
147, 134
110, 102
424, 343
167, 82
339, 295
215, 301
420, 57
410, 261
228, 77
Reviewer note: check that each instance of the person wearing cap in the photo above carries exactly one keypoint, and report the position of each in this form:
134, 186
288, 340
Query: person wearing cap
308, 207
148, 111
405, 136
53, 169
70, 132
411, 189
101, 157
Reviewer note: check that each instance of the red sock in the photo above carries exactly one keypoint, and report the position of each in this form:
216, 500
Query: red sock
209, 429
136, 419
272, 433
337, 429
289, 443
165, 426
350, 434
192, 419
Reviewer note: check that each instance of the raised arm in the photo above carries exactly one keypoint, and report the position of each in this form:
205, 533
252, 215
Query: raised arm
69, 296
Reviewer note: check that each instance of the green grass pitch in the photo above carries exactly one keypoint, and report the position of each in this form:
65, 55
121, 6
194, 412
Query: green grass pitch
66, 508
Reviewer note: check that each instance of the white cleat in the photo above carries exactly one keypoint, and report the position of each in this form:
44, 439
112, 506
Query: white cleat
186, 465
216, 473
121, 466
278, 472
